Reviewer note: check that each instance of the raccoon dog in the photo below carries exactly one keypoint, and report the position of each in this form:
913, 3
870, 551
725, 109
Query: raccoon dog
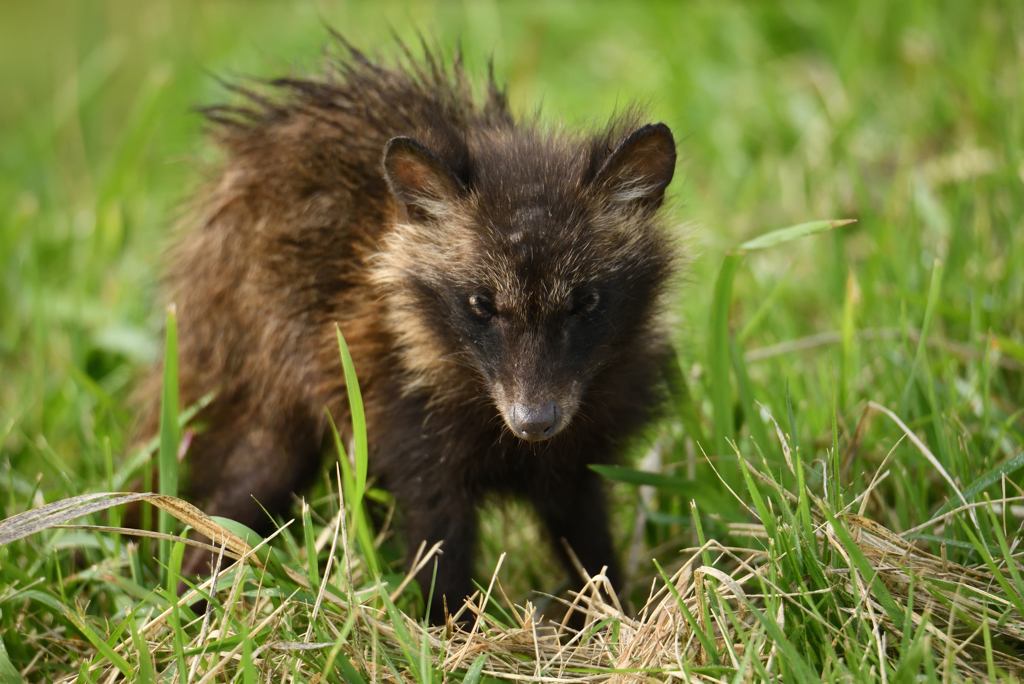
497, 282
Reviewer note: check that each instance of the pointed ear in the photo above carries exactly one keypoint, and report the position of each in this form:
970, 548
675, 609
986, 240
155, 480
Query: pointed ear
640, 168
423, 185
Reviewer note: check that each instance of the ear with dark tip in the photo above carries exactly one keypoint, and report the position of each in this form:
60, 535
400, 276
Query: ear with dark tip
422, 183
641, 167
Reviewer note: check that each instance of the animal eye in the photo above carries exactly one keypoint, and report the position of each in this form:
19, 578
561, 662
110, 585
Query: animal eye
482, 307
586, 303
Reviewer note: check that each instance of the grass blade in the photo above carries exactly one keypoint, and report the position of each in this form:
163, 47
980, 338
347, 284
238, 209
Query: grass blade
8, 673
851, 305
753, 416
707, 641
475, 672
169, 433
718, 354
934, 290
981, 483
784, 235
872, 580
358, 526
686, 407
355, 403
146, 672
312, 564
677, 485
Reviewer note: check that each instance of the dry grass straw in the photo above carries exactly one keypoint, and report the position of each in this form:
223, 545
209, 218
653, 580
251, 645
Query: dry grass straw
956, 604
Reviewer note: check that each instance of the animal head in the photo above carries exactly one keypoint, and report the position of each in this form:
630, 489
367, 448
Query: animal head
523, 263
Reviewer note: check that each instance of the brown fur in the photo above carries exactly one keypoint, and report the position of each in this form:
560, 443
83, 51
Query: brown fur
484, 272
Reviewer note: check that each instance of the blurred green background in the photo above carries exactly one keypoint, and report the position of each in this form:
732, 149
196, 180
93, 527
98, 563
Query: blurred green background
906, 116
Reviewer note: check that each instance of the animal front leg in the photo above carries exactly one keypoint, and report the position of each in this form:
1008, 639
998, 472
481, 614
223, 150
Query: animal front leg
577, 515
451, 573
246, 474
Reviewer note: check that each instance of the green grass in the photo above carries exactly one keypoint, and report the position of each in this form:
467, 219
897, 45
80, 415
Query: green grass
908, 117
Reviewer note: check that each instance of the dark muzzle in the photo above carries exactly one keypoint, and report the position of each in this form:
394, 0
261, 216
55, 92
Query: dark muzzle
535, 423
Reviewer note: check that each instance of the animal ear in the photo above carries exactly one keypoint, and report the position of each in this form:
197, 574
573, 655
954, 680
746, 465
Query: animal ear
641, 167
422, 183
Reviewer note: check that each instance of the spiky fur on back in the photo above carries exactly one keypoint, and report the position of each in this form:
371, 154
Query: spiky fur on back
302, 232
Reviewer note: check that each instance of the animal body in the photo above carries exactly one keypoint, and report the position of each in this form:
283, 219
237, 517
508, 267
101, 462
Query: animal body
497, 282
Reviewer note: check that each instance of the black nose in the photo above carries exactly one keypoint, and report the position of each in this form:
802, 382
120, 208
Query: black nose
535, 423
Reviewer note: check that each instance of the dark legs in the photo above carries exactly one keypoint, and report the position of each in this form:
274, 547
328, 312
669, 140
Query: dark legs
575, 513
578, 514
244, 475
455, 525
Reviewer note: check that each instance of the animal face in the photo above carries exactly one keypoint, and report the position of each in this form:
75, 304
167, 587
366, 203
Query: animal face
530, 274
